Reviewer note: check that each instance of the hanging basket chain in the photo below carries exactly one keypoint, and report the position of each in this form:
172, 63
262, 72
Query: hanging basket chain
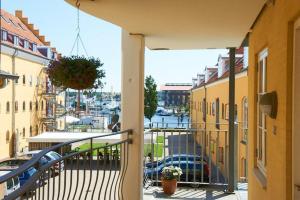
78, 37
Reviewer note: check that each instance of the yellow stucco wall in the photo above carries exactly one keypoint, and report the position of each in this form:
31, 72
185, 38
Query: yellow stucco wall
220, 89
24, 119
273, 30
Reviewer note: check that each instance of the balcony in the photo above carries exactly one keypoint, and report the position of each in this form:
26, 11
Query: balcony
92, 169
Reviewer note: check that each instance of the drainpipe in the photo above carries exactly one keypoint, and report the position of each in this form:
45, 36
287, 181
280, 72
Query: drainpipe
13, 115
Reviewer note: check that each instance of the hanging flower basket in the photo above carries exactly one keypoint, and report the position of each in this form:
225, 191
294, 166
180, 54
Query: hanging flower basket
75, 72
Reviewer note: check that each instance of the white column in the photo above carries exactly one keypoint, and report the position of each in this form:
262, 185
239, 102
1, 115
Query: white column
133, 51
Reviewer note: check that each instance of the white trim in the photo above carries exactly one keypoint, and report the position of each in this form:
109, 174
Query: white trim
222, 80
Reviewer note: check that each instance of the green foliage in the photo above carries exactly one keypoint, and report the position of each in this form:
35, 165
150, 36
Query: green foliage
150, 101
76, 72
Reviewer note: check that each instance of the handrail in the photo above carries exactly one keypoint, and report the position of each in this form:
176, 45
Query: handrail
36, 158
27, 186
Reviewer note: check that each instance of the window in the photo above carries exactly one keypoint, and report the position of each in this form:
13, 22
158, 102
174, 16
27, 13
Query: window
217, 113
16, 80
221, 155
7, 106
30, 106
36, 106
204, 109
30, 131
26, 44
24, 79
30, 80
16, 40
23, 132
4, 35
223, 112
7, 136
34, 47
16, 106
213, 108
261, 133
42, 105
36, 129
244, 119
24, 106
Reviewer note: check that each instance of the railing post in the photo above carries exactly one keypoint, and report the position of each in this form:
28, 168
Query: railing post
133, 50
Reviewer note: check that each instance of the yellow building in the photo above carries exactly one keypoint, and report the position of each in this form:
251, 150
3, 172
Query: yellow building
274, 67
28, 105
209, 112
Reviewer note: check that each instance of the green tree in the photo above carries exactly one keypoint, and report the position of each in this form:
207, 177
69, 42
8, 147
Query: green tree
150, 101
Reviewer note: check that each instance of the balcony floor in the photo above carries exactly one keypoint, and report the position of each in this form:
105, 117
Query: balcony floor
202, 193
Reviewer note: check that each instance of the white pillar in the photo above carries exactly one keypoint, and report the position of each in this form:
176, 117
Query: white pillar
133, 51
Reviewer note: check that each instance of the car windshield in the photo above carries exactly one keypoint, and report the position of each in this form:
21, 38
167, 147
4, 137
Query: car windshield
31, 171
55, 155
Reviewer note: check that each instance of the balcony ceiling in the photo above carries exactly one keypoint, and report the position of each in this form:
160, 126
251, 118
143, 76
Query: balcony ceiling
180, 24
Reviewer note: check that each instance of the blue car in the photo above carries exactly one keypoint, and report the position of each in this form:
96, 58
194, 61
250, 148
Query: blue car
190, 170
23, 177
175, 157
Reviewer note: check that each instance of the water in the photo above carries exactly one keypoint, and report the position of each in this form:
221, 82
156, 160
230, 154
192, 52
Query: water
170, 121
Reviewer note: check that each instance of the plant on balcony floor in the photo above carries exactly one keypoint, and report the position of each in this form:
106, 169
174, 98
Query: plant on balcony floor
170, 175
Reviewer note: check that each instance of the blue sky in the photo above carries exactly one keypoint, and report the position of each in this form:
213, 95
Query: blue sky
57, 21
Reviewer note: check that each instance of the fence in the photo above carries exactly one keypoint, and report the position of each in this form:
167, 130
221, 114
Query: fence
94, 172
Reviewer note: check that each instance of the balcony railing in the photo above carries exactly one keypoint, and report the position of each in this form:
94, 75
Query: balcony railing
95, 172
201, 150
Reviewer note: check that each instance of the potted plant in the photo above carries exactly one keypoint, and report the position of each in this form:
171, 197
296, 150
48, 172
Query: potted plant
170, 175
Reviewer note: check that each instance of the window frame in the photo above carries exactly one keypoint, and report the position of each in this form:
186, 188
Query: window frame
261, 134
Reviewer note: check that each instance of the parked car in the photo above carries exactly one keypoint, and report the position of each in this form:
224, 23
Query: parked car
175, 157
9, 186
48, 157
190, 169
23, 177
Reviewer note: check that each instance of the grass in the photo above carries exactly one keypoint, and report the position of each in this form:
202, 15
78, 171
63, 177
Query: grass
160, 139
158, 149
87, 146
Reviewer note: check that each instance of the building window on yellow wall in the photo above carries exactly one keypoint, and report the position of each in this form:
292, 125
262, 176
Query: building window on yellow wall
30, 106
30, 80
217, 113
24, 80
24, 106
213, 108
261, 134
42, 105
244, 119
30, 131
7, 136
36, 105
7, 107
23, 132
16, 106
223, 111
221, 154
36, 129
204, 109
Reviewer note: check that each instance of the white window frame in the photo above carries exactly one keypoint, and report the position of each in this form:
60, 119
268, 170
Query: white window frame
261, 157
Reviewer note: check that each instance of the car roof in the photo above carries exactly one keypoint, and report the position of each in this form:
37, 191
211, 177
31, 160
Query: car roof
3, 172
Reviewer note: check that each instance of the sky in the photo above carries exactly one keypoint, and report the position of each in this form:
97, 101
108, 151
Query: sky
57, 20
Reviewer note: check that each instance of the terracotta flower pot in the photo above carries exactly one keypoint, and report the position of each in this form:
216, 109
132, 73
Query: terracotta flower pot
169, 186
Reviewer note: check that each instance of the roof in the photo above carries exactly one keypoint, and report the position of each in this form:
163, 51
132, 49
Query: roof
18, 26
180, 24
175, 87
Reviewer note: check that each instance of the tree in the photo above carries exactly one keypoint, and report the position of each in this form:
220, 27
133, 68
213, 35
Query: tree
150, 101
